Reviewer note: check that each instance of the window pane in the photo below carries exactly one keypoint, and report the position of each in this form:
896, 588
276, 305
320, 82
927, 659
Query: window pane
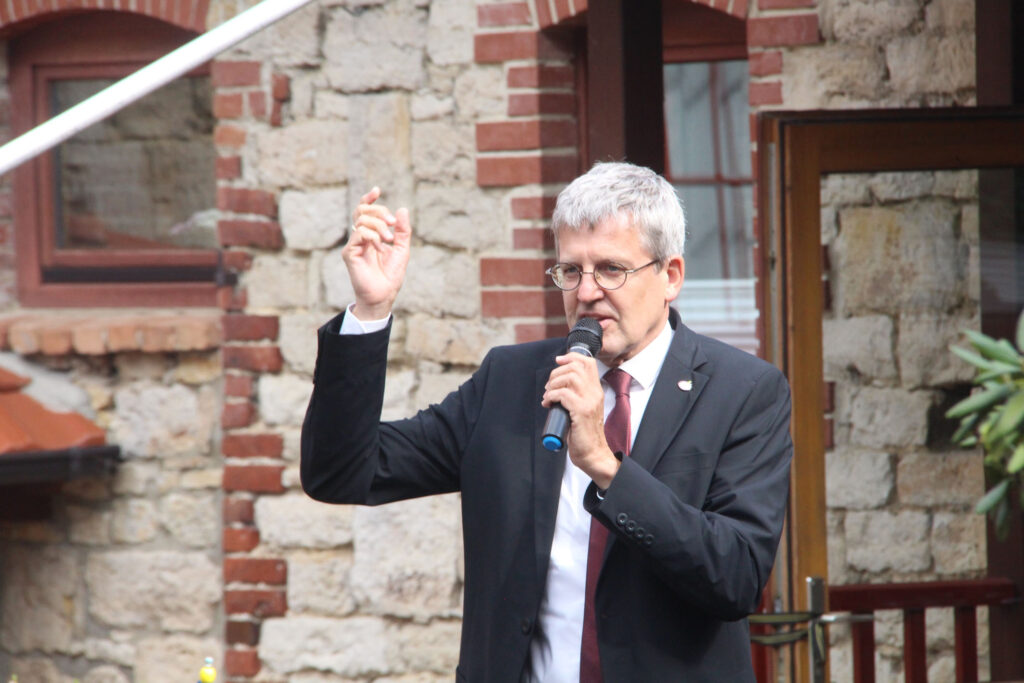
141, 179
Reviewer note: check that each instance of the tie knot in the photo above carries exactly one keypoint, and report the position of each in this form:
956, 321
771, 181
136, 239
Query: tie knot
619, 380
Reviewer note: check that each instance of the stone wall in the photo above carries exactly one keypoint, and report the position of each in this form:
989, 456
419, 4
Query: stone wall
123, 583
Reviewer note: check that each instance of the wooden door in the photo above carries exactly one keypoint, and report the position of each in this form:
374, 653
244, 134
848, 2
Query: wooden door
796, 150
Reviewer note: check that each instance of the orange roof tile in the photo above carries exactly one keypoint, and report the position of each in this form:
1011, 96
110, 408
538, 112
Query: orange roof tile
27, 425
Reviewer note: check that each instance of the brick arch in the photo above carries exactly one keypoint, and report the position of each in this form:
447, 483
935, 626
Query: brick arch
553, 12
186, 14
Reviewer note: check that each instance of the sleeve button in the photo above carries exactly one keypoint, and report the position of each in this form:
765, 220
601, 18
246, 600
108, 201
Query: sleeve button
630, 526
648, 540
526, 626
621, 519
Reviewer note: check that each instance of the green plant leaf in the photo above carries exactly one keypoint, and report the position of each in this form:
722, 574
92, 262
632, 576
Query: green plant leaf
964, 430
1020, 332
992, 349
971, 357
1012, 415
1016, 463
1002, 518
995, 494
980, 401
998, 369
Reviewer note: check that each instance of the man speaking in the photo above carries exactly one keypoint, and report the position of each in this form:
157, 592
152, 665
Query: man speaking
635, 553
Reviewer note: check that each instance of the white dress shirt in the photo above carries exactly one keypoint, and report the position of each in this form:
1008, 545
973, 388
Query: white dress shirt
555, 648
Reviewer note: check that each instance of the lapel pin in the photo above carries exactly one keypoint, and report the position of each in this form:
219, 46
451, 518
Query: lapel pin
685, 385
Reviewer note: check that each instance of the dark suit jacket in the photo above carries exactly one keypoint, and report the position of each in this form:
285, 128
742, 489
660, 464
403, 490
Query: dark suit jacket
695, 512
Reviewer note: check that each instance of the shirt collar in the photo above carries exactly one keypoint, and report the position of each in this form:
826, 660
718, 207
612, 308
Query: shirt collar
645, 366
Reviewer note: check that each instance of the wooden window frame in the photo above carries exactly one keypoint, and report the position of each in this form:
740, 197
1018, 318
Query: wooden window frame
47, 276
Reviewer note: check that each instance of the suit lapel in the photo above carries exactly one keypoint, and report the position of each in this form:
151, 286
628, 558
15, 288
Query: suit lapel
677, 388
548, 468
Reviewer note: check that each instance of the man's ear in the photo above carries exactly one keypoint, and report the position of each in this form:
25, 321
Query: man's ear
675, 268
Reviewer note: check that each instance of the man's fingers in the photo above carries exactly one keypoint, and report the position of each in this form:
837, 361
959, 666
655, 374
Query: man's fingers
362, 235
375, 224
371, 196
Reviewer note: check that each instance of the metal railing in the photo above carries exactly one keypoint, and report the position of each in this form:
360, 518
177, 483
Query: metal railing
124, 92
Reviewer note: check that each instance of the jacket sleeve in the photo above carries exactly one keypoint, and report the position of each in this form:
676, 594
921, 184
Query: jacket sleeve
719, 556
349, 455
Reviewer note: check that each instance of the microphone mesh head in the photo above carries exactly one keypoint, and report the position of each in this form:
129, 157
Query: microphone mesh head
586, 332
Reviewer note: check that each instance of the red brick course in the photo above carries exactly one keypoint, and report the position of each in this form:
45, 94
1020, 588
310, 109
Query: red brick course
796, 29
502, 47
228, 105
532, 208
228, 136
242, 327
519, 303
240, 540
237, 414
762, 94
765, 63
244, 663
533, 238
525, 170
242, 632
228, 168
507, 135
259, 234
260, 603
503, 14
253, 478
225, 74
252, 445
514, 271
541, 76
528, 332
242, 200
237, 510
534, 104
255, 358
238, 385
255, 570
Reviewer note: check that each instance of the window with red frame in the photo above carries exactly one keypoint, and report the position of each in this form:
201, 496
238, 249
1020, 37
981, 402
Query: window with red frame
123, 213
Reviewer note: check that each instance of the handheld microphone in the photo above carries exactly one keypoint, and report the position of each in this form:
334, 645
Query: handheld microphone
584, 338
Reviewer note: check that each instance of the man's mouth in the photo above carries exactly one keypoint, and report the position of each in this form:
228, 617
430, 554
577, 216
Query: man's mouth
603, 320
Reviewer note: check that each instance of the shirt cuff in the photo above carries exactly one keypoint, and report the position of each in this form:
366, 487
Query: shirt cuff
350, 324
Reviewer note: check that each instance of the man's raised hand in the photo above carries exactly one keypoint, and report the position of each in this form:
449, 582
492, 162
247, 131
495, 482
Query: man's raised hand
376, 255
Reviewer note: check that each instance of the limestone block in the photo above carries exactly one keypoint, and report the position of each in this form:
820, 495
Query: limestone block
939, 628
318, 583
942, 666
176, 591
134, 521
429, 647
175, 658
844, 189
923, 349
119, 648
955, 478
330, 105
197, 368
838, 572
304, 87
291, 478
356, 646
430, 105
53, 389
37, 670
419, 580
32, 532
88, 526
957, 184
292, 41
379, 141
314, 220
480, 93
193, 519
453, 341
900, 186
283, 399
857, 478
302, 154
298, 340
208, 478
41, 607
434, 386
860, 346
292, 441
398, 391
151, 420
878, 541
868, 22
337, 287
949, 15
889, 418
459, 217
439, 282
376, 49
821, 76
927, 63
450, 31
105, 674
897, 259
443, 151
974, 274
136, 366
294, 520
277, 282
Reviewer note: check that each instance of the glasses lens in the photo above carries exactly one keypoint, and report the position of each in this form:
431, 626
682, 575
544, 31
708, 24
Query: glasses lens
609, 275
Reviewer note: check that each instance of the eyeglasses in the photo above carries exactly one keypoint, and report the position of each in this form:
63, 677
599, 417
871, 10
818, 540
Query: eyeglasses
608, 276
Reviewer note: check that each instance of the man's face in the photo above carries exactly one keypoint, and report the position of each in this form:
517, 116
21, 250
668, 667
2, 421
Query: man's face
632, 315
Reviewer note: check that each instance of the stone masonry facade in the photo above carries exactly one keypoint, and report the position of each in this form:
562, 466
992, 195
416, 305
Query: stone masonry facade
203, 543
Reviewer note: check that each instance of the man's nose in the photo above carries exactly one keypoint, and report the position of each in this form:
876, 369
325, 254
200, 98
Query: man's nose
588, 289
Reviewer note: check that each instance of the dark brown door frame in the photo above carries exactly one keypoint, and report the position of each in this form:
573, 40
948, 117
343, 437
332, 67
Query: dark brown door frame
796, 149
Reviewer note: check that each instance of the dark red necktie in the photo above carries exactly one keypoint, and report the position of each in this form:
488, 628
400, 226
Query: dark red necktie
616, 433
